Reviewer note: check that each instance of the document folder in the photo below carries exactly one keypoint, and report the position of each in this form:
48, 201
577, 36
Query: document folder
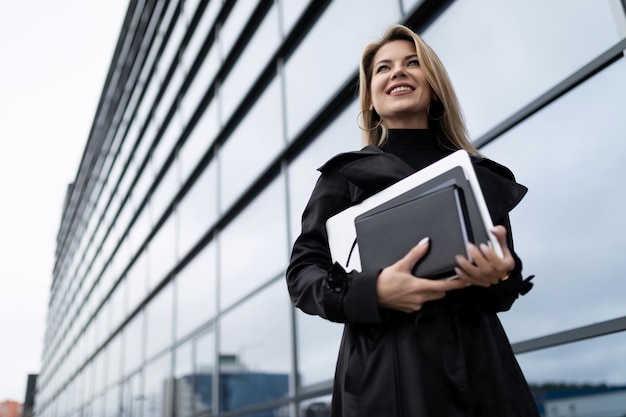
386, 234
454, 173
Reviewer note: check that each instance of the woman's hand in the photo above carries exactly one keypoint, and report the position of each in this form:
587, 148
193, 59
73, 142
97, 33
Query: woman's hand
397, 288
488, 268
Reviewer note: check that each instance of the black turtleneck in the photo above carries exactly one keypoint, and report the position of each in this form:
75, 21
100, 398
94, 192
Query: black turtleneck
416, 147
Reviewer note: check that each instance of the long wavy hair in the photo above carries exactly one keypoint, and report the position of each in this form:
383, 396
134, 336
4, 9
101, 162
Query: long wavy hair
448, 121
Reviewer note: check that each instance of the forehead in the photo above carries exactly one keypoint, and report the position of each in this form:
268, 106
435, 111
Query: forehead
395, 49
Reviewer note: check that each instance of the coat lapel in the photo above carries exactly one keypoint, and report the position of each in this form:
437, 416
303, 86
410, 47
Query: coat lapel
372, 170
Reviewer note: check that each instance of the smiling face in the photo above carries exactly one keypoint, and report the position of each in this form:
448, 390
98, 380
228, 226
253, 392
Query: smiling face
399, 90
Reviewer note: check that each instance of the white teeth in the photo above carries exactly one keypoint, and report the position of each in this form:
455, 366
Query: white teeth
402, 88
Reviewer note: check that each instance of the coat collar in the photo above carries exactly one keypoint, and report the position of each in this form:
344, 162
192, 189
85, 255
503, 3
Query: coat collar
372, 170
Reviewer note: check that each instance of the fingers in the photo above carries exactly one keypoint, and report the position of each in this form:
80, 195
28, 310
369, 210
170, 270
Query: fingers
416, 253
486, 268
500, 233
397, 288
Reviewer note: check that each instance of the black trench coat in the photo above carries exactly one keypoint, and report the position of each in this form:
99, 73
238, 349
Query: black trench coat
452, 358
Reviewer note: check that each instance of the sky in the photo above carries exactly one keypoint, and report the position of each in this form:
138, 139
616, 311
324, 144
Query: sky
55, 57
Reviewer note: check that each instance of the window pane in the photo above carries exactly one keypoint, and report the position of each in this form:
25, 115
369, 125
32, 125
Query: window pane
249, 64
291, 12
234, 23
114, 366
133, 344
165, 191
502, 55
159, 321
112, 400
254, 246
137, 281
318, 346
200, 84
317, 68
569, 230
200, 33
341, 136
162, 253
195, 292
157, 398
183, 389
252, 146
255, 350
131, 397
198, 210
198, 141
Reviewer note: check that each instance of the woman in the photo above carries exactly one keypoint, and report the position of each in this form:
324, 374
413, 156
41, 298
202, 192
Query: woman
413, 346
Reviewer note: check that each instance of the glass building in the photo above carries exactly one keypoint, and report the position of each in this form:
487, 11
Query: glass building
168, 294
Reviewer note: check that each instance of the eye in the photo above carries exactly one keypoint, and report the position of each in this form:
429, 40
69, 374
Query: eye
382, 68
413, 63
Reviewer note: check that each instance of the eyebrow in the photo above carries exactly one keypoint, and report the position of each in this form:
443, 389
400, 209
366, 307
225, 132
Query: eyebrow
384, 61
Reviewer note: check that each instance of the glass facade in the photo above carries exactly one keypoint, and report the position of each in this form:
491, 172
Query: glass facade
168, 296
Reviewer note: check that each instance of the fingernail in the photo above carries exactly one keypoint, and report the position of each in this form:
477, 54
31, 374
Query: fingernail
424, 241
483, 247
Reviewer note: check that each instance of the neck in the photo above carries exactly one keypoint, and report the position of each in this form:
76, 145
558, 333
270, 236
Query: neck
419, 122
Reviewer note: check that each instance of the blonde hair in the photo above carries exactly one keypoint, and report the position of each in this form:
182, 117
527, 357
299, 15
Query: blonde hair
450, 128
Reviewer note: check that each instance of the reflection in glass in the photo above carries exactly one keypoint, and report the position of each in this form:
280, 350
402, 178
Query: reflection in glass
252, 146
157, 387
131, 397
570, 230
251, 251
255, 354
204, 367
183, 381
318, 62
502, 59
195, 292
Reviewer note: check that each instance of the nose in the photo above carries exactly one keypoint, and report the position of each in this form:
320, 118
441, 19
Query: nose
398, 72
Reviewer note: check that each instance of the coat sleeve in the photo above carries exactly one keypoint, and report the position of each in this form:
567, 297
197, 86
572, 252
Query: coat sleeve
501, 297
502, 194
316, 285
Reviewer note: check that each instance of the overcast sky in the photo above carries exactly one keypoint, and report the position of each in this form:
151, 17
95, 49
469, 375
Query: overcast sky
55, 57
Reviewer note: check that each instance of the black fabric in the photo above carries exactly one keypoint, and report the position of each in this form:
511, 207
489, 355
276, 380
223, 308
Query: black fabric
452, 358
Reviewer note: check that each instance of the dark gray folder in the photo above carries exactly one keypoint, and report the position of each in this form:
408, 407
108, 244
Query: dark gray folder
443, 209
